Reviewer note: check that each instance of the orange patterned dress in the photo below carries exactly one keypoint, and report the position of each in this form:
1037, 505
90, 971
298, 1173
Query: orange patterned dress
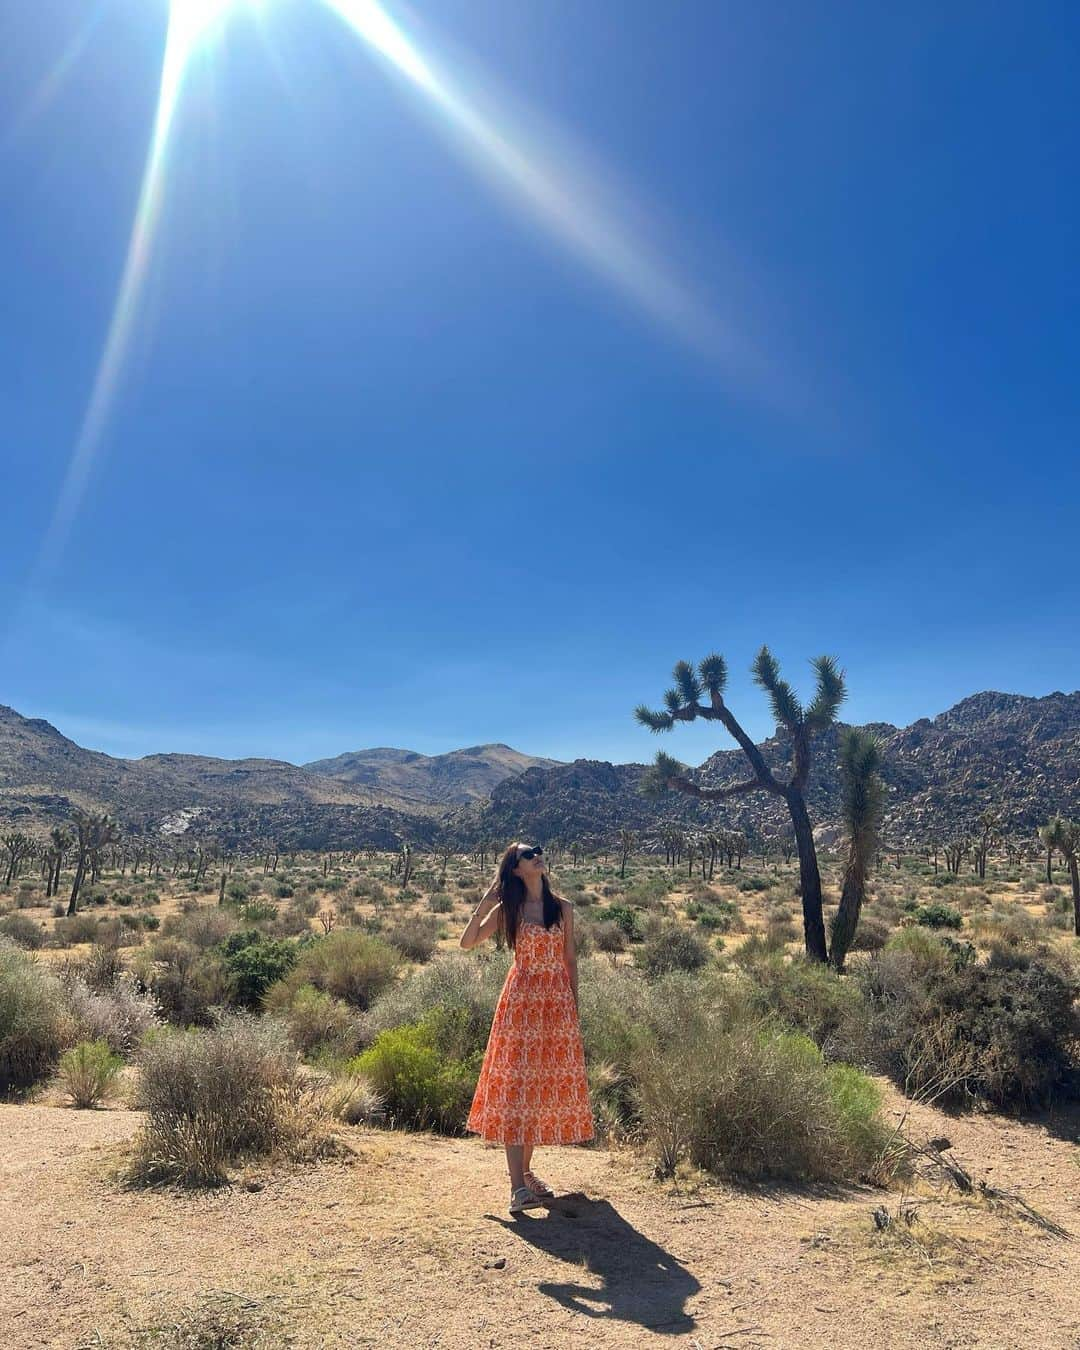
532, 1087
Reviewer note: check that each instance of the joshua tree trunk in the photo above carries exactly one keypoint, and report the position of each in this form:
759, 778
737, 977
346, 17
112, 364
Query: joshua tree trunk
1074, 877
809, 876
76, 885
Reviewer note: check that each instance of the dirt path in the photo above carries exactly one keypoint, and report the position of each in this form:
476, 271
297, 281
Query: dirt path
410, 1245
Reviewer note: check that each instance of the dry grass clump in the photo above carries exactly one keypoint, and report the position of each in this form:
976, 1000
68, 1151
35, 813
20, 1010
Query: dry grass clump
215, 1097
219, 1321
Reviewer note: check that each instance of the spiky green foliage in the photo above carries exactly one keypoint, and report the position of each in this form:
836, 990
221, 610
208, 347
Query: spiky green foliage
656, 779
714, 673
655, 721
687, 682
830, 693
786, 707
863, 790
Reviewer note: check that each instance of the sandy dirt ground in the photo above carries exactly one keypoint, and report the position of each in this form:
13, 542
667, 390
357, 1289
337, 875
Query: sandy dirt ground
409, 1244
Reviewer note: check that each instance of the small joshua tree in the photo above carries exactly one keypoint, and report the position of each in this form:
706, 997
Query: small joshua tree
863, 803
796, 724
1064, 836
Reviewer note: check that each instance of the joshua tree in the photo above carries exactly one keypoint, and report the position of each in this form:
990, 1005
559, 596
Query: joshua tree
1064, 835
60, 841
989, 829
1048, 834
16, 847
627, 840
797, 725
94, 832
863, 803
955, 851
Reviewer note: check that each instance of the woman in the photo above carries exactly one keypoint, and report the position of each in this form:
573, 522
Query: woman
532, 1087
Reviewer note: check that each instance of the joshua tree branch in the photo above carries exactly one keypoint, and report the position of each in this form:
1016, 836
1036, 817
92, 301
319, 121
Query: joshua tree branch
715, 794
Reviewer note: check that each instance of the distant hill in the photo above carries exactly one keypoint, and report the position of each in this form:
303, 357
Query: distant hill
452, 779
1017, 754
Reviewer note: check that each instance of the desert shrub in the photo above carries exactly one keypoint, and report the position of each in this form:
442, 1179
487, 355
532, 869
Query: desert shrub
813, 999
627, 919
23, 931
440, 903
1010, 928
467, 986
150, 922
871, 934
283, 890
254, 962
941, 879
123, 899
318, 1023
673, 948
742, 1098
257, 911
367, 888
100, 968
118, 1015
88, 1072
958, 1031
415, 936
937, 915
754, 883
649, 893
758, 945
780, 930
354, 1100
349, 964
609, 938
714, 915
187, 984
289, 922
213, 1097
423, 1086
1054, 898
73, 931
34, 1023
29, 897
237, 891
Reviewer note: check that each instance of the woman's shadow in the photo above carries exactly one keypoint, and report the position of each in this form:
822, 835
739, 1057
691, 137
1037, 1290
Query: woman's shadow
642, 1282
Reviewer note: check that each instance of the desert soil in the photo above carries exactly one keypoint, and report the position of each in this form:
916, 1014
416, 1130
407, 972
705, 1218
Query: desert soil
409, 1244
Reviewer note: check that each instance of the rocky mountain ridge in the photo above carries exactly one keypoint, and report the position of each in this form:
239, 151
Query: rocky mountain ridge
1016, 754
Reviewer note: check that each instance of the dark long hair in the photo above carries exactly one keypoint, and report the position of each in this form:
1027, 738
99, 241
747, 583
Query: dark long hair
512, 893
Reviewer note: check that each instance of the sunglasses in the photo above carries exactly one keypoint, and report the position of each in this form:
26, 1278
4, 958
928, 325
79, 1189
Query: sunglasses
525, 853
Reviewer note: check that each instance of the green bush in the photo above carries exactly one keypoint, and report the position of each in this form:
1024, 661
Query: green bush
349, 964
88, 1072
937, 915
253, 963
627, 919
423, 1088
73, 931
34, 1023
440, 903
673, 948
715, 916
754, 883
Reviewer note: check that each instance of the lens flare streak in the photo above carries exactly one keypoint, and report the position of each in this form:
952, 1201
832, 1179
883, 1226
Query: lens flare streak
188, 21
568, 205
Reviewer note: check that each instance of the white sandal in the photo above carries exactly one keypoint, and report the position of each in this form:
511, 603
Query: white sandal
524, 1198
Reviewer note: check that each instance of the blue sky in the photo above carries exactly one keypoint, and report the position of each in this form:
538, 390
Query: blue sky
456, 406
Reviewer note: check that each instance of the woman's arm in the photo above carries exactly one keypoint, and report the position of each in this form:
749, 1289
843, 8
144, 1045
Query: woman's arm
569, 949
484, 919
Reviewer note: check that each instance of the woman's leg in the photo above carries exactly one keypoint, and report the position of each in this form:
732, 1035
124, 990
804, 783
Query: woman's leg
516, 1165
526, 1159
